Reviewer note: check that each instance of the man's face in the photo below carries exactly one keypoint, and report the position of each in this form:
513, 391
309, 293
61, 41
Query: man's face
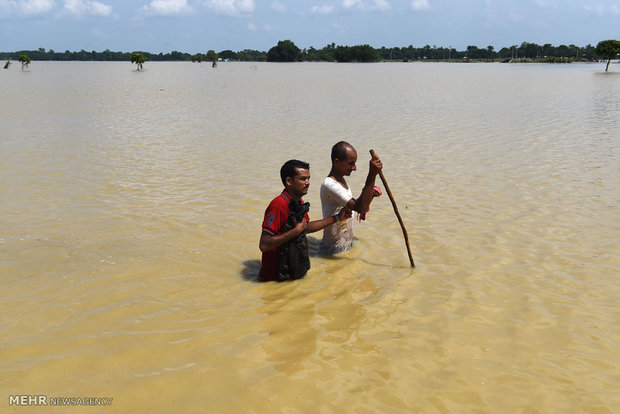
347, 166
300, 183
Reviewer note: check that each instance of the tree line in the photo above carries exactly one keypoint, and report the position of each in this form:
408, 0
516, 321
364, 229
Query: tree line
287, 51
108, 55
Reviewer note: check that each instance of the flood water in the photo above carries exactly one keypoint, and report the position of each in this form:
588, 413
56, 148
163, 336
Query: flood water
131, 206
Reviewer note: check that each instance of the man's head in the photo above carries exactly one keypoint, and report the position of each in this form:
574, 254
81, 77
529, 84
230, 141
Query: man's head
344, 158
295, 176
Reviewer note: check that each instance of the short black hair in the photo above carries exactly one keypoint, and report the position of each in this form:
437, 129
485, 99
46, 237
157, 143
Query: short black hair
289, 169
339, 150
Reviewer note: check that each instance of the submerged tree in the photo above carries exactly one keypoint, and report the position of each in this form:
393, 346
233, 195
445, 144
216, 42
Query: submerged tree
138, 59
7, 64
285, 51
609, 49
25, 61
360, 53
211, 55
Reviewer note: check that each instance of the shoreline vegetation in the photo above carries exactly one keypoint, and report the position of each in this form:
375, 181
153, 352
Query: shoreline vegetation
287, 51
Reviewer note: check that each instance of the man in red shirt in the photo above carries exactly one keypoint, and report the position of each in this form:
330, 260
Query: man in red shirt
276, 234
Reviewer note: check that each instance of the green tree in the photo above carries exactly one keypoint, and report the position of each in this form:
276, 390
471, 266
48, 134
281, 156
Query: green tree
227, 54
609, 49
547, 50
359, 53
563, 51
138, 59
211, 55
343, 54
491, 52
25, 61
364, 53
178, 56
251, 55
285, 51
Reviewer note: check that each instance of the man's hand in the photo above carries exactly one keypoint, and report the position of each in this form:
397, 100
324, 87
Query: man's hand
301, 227
269, 241
375, 165
344, 214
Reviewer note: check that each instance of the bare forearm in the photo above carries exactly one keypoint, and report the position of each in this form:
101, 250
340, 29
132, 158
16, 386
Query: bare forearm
269, 241
362, 204
321, 224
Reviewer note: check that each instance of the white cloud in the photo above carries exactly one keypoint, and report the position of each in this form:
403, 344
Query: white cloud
167, 7
100, 9
25, 7
365, 5
232, 7
252, 27
278, 6
603, 9
322, 9
421, 5
87, 7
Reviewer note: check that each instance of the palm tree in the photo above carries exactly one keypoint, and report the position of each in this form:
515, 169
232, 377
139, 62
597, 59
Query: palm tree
138, 59
25, 61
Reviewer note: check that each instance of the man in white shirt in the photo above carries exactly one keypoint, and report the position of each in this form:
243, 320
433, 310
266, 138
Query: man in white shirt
337, 195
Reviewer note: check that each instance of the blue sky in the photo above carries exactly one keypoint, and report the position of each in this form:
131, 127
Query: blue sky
199, 25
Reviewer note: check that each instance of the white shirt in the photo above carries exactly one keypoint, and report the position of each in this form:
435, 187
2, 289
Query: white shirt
337, 237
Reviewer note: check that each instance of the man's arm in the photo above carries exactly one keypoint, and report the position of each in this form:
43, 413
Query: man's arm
269, 241
362, 204
317, 225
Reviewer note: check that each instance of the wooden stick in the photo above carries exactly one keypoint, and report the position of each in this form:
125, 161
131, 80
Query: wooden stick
400, 220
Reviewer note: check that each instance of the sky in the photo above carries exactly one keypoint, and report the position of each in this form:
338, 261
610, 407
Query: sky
194, 26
